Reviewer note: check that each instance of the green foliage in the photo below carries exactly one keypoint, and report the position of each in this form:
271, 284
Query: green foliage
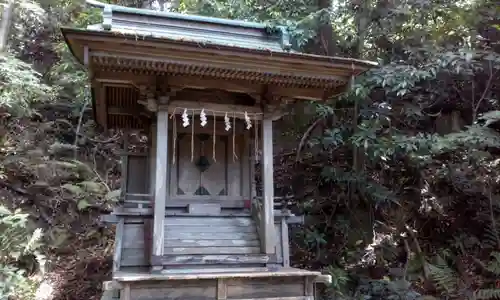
21, 86
84, 191
340, 280
14, 283
487, 294
113, 195
494, 264
446, 279
432, 60
449, 282
368, 188
28, 21
396, 78
66, 73
386, 289
16, 242
474, 136
302, 17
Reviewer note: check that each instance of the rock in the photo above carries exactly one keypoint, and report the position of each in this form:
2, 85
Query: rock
45, 290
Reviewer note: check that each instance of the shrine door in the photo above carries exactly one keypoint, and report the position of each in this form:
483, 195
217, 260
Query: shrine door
203, 169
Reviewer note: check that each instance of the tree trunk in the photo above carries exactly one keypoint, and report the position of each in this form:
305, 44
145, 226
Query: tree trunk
327, 38
5, 24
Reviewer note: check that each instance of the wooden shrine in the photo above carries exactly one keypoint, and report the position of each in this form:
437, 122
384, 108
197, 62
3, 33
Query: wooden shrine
191, 223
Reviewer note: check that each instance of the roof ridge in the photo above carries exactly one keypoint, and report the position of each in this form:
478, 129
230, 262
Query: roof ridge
280, 32
181, 16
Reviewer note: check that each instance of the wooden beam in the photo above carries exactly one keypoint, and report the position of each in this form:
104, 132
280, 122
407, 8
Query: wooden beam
124, 166
152, 161
129, 78
184, 81
219, 110
117, 82
147, 212
221, 289
281, 298
196, 82
245, 161
126, 292
86, 56
285, 243
309, 286
267, 219
120, 227
299, 93
239, 127
148, 222
161, 186
143, 45
323, 278
111, 285
101, 104
196, 274
211, 259
148, 239
111, 219
211, 83
317, 66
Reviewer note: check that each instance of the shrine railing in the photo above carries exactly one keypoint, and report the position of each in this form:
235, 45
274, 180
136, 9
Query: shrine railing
138, 203
282, 203
142, 204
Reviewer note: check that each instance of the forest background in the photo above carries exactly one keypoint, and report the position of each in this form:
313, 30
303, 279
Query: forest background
399, 178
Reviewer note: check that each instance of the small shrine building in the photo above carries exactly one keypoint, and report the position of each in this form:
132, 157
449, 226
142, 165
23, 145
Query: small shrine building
191, 223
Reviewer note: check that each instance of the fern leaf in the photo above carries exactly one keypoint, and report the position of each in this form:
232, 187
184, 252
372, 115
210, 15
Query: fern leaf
489, 239
484, 294
494, 265
445, 278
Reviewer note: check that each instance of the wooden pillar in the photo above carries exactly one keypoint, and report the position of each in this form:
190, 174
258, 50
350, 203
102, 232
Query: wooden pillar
148, 223
152, 160
126, 292
161, 188
285, 243
309, 287
124, 167
267, 218
221, 289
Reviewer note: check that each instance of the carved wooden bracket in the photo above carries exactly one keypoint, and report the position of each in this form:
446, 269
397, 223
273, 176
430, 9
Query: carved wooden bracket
172, 91
146, 98
274, 106
152, 97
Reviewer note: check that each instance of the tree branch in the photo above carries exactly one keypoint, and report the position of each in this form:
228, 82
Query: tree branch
483, 95
306, 136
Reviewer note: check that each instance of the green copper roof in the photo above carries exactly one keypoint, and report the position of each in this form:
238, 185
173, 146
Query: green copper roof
176, 26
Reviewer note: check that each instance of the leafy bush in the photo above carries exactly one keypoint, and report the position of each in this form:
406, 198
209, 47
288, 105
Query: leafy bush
21, 86
16, 242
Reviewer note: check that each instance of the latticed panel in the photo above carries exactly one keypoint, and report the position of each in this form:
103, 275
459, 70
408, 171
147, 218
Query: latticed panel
123, 109
128, 122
